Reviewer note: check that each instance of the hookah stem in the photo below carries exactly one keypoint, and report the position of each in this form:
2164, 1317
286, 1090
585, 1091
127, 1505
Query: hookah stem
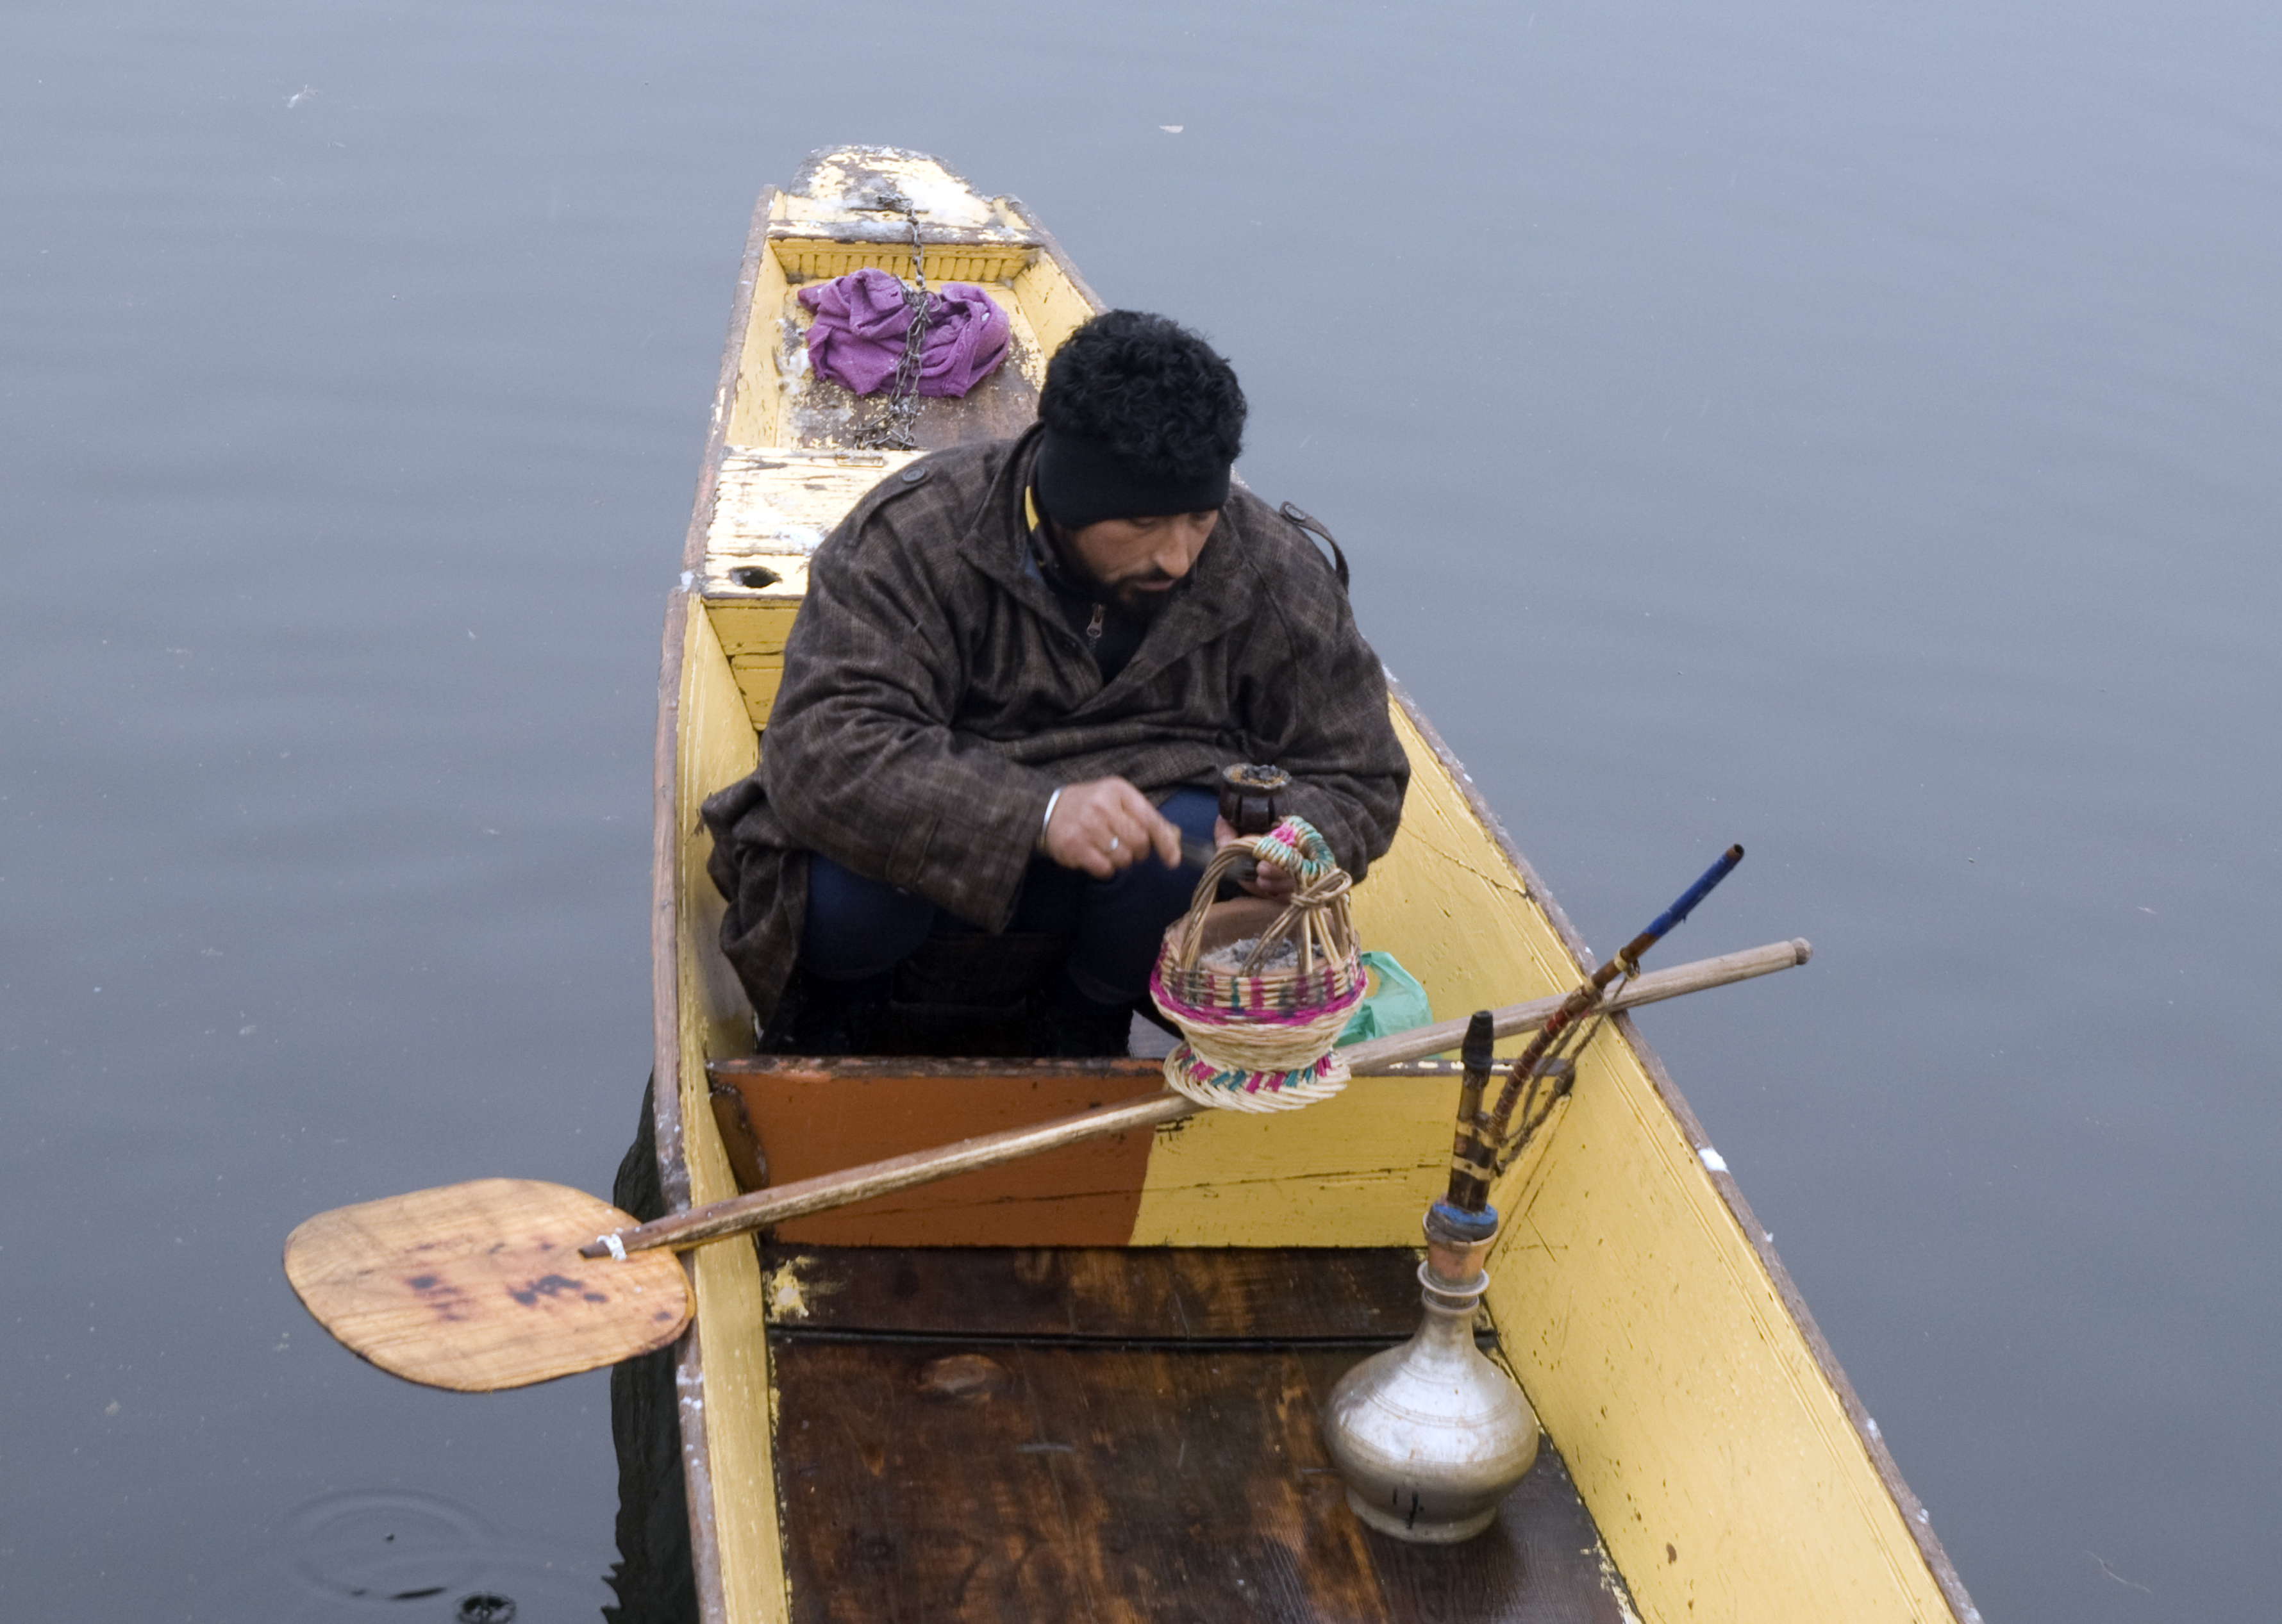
1472, 1153
1469, 1189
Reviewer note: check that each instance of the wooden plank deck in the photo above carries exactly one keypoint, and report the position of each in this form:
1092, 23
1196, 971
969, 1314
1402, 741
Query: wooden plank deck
1109, 1435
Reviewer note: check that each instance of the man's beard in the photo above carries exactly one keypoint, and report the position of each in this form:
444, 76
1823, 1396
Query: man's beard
1133, 600
1126, 594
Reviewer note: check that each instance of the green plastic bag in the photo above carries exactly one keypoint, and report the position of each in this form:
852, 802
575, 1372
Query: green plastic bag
1395, 1002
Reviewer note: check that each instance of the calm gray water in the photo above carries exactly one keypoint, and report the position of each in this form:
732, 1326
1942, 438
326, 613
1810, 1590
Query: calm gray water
1850, 431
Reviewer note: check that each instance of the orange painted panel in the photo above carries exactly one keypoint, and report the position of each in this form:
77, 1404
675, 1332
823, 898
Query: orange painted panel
810, 1117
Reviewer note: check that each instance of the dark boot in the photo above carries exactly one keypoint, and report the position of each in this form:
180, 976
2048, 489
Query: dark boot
816, 1016
967, 993
1067, 1024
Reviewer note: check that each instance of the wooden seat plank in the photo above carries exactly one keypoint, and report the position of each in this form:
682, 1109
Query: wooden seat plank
1344, 1294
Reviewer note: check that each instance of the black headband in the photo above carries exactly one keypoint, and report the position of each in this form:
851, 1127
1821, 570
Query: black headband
1082, 482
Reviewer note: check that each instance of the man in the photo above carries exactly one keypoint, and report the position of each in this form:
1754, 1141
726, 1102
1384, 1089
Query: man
1017, 674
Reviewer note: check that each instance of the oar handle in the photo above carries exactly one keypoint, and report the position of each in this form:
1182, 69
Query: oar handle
1378, 1056
741, 1214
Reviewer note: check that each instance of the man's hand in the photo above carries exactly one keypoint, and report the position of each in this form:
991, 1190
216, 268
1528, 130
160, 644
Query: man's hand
1106, 825
1267, 880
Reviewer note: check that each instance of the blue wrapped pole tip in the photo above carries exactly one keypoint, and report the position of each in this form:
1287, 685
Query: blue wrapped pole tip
1454, 1222
1696, 892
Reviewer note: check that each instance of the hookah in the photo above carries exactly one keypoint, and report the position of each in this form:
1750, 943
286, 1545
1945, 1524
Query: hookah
1431, 1435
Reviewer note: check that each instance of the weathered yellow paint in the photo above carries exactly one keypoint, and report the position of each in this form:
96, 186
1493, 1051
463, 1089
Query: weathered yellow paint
845, 187
758, 678
773, 502
771, 509
757, 417
1680, 1389
750, 628
715, 744
1355, 1169
1054, 304
815, 261
1449, 903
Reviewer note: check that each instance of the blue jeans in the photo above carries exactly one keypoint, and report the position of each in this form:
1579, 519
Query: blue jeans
859, 929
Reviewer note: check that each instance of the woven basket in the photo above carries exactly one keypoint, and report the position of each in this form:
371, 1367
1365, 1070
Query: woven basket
1257, 1039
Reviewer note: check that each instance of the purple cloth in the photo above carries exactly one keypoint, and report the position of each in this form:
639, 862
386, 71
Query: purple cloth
861, 321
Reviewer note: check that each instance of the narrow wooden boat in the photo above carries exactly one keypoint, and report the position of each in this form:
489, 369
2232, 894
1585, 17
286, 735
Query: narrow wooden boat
1088, 1385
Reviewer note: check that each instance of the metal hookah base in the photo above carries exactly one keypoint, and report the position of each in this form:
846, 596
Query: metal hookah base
1414, 1529
1431, 1435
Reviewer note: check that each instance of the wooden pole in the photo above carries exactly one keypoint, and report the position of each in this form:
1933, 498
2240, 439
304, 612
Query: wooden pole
742, 1214
1373, 1058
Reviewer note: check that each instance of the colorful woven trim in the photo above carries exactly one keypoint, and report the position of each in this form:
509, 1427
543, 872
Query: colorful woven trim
1295, 846
1236, 1088
1243, 1000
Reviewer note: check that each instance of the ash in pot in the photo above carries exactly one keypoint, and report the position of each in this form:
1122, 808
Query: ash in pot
1282, 954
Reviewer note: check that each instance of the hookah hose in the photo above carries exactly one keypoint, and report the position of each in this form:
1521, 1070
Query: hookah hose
1473, 1155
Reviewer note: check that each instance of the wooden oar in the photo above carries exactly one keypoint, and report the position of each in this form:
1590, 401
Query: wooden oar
484, 1286
479, 1286
782, 1203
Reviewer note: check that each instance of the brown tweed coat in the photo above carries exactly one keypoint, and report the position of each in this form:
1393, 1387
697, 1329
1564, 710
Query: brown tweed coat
935, 696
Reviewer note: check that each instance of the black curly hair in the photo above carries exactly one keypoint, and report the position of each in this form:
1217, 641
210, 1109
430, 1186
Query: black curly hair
1155, 395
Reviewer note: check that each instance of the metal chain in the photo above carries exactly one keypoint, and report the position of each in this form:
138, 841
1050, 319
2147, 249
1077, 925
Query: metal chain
889, 426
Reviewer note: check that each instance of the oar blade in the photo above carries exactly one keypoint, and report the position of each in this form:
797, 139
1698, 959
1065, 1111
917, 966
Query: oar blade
478, 1286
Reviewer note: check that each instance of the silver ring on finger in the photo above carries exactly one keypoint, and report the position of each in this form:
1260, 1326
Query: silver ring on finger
1112, 843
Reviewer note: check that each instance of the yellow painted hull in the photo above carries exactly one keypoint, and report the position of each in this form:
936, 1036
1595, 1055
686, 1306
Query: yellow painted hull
1711, 1433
